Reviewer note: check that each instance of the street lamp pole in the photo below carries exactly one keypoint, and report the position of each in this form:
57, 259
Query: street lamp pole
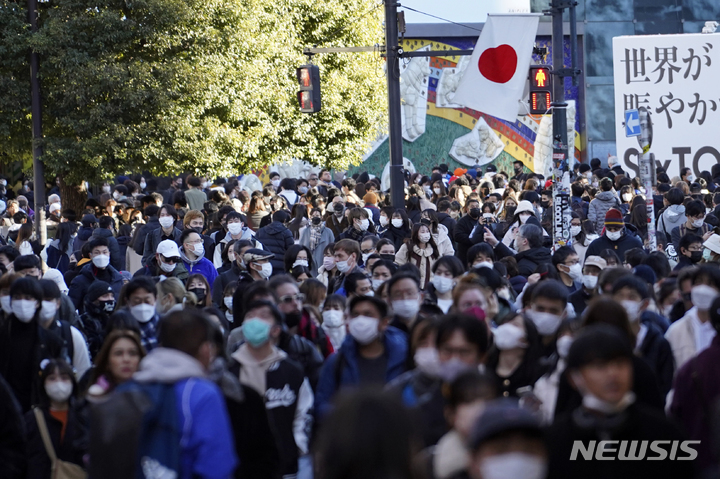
36, 110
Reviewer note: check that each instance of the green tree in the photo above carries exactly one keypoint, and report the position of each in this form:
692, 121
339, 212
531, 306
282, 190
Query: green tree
186, 85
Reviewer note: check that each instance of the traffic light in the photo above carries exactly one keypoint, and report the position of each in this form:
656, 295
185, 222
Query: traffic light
309, 95
540, 89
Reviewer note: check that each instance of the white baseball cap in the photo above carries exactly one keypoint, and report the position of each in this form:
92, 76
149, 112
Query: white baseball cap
169, 249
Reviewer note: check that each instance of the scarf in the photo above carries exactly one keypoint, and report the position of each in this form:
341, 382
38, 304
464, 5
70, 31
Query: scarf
315, 235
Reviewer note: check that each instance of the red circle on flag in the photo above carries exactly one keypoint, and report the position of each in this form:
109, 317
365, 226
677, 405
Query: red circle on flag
498, 64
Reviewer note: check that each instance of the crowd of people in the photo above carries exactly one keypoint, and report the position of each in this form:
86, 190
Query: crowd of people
187, 327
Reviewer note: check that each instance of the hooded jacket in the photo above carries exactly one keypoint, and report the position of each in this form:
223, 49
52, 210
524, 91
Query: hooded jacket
83, 235
277, 239
87, 275
627, 241
599, 206
448, 222
529, 260
671, 218
153, 269
153, 239
348, 371
201, 265
206, 445
247, 234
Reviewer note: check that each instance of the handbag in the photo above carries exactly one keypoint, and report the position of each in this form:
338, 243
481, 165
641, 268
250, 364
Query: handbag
59, 469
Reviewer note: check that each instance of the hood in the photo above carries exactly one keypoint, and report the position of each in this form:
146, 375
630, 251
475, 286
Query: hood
441, 234
243, 356
247, 234
188, 260
675, 214
606, 196
168, 366
536, 255
84, 233
101, 233
275, 228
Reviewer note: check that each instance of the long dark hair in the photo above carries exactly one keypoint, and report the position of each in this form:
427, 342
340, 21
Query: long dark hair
299, 213
415, 239
64, 234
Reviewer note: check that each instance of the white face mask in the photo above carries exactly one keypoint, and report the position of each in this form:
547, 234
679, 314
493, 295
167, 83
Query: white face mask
397, 222
143, 185
698, 223
563, 345
589, 281
328, 263
168, 268
546, 323
166, 221
235, 228
383, 221
59, 391
5, 302
437, 191
364, 329
702, 296
365, 257
632, 308
228, 300
364, 224
265, 270
143, 312
524, 217
275, 183
47, 311
613, 235
575, 230
116, 195
300, 262
376, 283
303, 190
483, 264
106, 189
427, 361
406, 308
442, 284
575, 272
508, 336
101, 261
333, 318
513, 465
342, 266
627, 197
690, 177
24, 309
424, 237
199, 249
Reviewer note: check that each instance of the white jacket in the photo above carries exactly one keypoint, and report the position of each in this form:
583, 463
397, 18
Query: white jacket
442, 240
681, 336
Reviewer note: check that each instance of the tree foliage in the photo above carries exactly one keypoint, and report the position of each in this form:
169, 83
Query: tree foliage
184, 85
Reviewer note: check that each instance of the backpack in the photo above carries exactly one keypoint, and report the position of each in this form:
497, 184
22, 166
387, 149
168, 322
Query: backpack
134, 433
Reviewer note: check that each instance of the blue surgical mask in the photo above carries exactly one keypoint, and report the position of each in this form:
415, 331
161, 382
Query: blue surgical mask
256, 331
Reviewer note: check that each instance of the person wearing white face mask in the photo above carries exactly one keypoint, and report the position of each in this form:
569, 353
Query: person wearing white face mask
167, 263
54, 426
258, 265
333, 315
24, 343
373, 354
446, 271
591, 270
192, 254
601, 366
316, 237
99, 269
327, 270
693, 332
695, 224
236, 230
140, 298
405, 298
421, 250
507, 442
105, 229
346, 254
360, 225
547, 310
616, 237
634, 296
167, 216
567, 262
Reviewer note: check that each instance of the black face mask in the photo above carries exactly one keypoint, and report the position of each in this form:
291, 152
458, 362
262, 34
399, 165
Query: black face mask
474, 213
293, 319
107, 306
510, 211
388, 257
545, 204
316, 220
198, 230
695, 256
200, 293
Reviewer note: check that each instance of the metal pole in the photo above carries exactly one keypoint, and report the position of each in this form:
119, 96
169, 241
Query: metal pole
397, 181
36, 110
646, 174
560, 160
573, 43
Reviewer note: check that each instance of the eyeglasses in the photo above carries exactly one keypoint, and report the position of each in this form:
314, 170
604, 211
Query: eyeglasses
312, 179
172, 260
291, 298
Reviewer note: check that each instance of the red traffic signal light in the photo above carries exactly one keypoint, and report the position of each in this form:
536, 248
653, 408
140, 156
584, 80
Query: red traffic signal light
308, 77
540, 89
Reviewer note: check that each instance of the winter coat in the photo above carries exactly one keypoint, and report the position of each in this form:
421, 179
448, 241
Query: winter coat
422, 258
13, 456
337, 227
116, 259
681, 336
347, 371
254, 219
326, 237
247, 234
83, 235
579, 300
680, 231
529, 260
443, 242
449, 223
153, 239
71, 449
374, 213
656, 350
123, 242
153, 269
201, 266
671, 218
627, 241
464, 237
228, 277
692, 409
88, 275
423, 396
138, 242
397, 235
60, 260
599, 206
277, 239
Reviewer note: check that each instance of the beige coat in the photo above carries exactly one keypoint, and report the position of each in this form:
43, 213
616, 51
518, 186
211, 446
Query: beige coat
426, 261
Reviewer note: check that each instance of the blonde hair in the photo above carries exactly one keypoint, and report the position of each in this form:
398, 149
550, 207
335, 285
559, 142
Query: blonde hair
175, 287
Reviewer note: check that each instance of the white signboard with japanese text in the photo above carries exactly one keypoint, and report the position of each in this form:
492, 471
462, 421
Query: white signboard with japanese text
676, 78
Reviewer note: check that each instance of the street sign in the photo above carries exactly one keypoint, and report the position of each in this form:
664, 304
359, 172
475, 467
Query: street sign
632, 123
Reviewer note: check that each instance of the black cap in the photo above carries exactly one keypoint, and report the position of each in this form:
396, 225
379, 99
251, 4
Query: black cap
501, 416
88, 220
491, 168
584, 167
97, 289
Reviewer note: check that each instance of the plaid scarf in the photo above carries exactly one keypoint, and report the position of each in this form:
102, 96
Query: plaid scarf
315, 235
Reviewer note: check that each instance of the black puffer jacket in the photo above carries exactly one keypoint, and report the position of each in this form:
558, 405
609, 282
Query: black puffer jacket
277, 239
529, 260
88, 274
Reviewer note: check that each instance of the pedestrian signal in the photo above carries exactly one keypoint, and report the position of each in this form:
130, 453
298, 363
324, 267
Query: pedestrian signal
540, 89
309, 95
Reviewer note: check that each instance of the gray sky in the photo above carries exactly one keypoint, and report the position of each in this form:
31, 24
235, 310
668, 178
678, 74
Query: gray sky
461, 11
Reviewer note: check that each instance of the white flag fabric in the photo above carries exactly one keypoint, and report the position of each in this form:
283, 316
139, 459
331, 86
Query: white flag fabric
495, 78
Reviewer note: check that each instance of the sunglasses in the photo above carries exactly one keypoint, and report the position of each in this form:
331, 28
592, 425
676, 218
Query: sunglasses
291, 298
172, 260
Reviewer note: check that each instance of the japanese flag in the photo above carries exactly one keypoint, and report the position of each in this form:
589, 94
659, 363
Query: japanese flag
494, 80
